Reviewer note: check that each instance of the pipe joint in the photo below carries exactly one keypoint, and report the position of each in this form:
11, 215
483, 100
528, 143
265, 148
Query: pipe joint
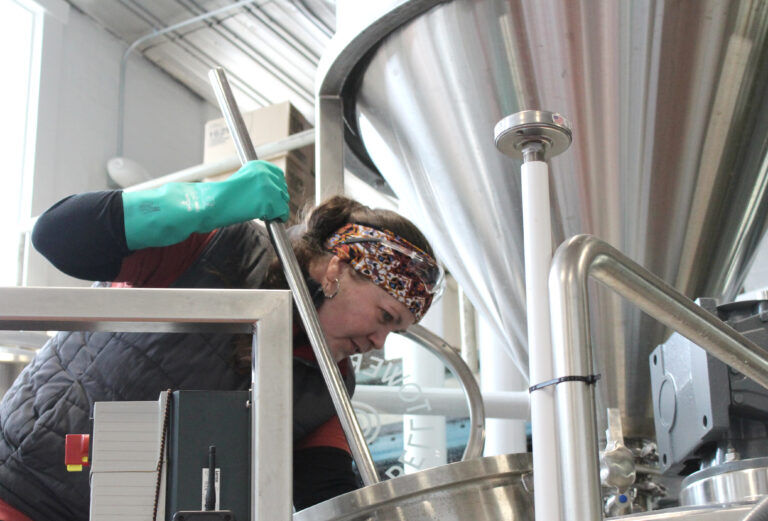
534, 151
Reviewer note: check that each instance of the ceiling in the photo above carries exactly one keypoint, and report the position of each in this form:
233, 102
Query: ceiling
269, 48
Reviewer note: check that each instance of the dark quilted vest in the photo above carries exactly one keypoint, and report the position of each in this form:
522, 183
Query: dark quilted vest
54, 395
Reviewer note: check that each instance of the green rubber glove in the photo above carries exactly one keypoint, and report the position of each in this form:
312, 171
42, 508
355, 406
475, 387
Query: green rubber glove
169, 214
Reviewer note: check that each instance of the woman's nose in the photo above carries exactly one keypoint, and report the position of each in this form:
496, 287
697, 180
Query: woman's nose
378, 338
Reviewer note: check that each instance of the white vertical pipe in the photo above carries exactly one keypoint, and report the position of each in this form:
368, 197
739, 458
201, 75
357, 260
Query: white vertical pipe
499, 373
424, 437
538, 256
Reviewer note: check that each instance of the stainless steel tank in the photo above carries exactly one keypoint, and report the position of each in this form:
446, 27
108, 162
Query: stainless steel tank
492, 488
669, 105
739, 480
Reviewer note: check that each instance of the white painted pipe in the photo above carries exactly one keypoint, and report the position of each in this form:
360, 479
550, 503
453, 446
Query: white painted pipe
424, 435
230, 164
505, 431
433, 401
538, 256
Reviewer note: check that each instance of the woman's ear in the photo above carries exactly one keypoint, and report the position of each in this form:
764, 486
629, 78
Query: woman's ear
333, 270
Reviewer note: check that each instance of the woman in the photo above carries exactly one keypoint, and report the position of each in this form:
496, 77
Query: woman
370, 272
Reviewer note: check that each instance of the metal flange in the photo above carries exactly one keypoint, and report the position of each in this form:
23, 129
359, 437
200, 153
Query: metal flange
546, 134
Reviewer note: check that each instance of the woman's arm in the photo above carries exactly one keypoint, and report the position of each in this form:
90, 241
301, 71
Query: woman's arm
321, 473
88, 235
322, 465
83, 235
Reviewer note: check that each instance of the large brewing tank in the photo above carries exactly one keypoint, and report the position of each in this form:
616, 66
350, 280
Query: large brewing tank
669, 105
491, 488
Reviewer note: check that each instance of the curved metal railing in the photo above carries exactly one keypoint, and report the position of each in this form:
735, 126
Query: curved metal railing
449, 357
576, 260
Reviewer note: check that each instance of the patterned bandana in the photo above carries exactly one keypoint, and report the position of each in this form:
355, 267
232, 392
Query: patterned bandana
403, 270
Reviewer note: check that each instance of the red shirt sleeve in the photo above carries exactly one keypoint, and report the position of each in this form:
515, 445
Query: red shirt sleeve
160, 267
8, 513
329, 434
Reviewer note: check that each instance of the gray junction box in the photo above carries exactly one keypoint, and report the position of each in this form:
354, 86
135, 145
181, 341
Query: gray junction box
703, 409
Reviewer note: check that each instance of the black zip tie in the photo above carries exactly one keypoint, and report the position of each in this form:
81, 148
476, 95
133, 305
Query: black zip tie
589, 380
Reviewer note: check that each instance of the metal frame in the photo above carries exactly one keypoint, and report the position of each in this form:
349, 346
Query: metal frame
344, 52
267, 314
576, 260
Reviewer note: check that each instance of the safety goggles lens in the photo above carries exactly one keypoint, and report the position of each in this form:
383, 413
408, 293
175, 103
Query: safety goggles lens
428, 271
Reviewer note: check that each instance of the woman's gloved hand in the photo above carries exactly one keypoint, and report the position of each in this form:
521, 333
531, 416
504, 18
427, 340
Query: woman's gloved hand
169, 214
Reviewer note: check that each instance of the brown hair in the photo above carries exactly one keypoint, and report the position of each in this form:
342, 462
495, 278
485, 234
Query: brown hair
322, 221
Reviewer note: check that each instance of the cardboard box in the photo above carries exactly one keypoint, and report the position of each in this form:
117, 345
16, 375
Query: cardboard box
266, 125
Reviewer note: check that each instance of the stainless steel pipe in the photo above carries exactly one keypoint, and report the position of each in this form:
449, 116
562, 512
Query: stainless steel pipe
282, 244
575, 261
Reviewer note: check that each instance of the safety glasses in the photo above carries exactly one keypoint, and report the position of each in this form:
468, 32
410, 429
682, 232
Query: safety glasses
420, 265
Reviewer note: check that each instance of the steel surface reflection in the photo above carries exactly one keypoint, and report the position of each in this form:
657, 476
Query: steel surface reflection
669, 162
493, 488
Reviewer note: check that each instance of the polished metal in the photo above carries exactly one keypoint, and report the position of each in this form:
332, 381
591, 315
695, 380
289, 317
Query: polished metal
518, 131
743, 480
271, 428
134, 309
88, 309
668, 106
345, 50
617, 462
737, 512
533, 151
298, 285
329, 152
235, 123
470, 352
576, 261
496, 488
450, 358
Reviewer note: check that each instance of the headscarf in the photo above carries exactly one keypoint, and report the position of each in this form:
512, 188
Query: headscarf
402, 269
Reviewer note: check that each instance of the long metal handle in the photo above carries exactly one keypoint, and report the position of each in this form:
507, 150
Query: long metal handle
282, 244
575, 261
449, 357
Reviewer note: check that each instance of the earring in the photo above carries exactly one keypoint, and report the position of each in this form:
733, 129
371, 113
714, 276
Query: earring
335, 292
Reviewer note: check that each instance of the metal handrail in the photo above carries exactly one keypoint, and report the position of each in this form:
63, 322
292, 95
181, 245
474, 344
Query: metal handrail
449, 357
266, 314
576, 260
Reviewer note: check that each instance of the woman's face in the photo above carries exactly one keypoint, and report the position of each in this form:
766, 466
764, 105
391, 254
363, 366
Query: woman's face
361, 315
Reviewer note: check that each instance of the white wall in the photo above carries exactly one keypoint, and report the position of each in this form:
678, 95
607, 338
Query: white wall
77, 122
